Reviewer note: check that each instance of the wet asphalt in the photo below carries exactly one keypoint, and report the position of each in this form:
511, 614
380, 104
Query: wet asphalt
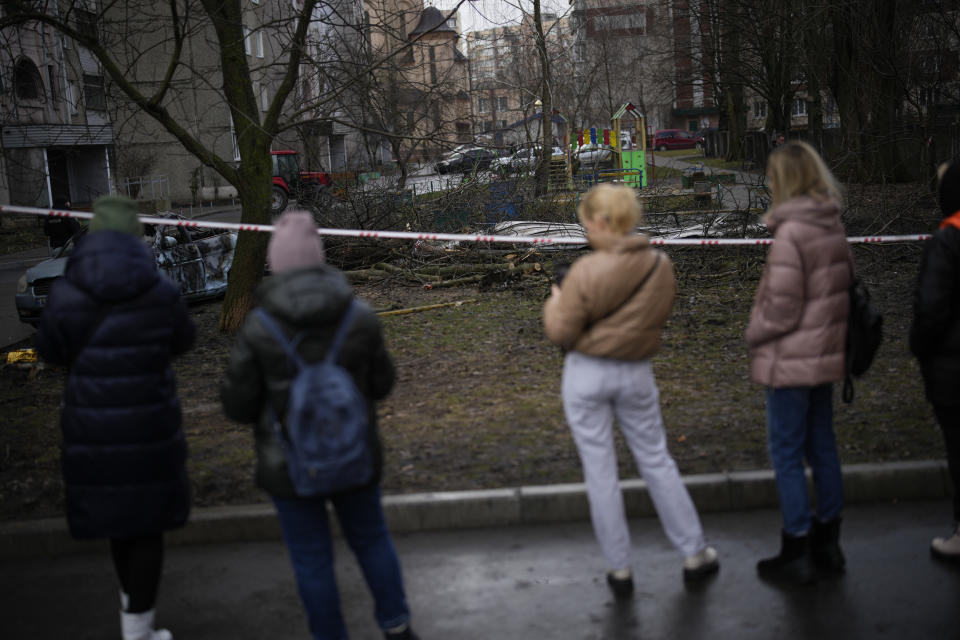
528, 582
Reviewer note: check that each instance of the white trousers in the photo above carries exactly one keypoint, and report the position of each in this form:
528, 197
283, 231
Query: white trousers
594, 391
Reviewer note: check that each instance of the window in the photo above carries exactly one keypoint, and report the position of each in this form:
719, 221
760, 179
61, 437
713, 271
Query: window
484, 68
452, 22
635, 21
233, 139
930, 64
27, 83
246, 40
759, 109
87, 23
929, 96
483, 105
264, 98
72, 97
94, 95
254, 1
52, 82
501, 124
488, 125
799, 107
259, 43
502, 103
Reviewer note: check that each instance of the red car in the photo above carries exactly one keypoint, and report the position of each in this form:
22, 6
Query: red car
668, 139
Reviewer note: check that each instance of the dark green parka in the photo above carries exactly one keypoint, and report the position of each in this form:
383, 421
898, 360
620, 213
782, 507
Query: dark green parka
311, 301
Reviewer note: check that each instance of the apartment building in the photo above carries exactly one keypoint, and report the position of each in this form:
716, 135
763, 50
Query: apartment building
649, 53
70, 132
55, 132
149, 157
439, 77
505, 74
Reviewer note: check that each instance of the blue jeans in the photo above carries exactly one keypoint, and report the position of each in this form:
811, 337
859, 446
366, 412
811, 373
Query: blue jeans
306, 532
800, 425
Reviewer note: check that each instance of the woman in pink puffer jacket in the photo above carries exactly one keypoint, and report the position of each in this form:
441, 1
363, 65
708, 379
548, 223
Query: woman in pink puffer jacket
797, 338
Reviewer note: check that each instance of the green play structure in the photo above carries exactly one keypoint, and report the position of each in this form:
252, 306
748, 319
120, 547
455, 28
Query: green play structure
631, 160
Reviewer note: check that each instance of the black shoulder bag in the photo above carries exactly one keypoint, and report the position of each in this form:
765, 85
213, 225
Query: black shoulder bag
864, 335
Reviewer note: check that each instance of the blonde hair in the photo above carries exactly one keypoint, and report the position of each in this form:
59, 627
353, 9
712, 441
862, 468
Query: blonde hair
616, 205
796, 169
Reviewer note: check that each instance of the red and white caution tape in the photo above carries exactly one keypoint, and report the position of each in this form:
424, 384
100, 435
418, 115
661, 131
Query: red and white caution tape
452, 237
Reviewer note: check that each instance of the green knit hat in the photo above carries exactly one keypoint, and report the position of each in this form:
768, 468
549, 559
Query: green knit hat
116, 213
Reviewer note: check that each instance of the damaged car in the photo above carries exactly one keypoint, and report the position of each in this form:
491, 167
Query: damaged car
198, 259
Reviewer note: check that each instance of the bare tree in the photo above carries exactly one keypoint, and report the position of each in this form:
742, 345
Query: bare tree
142, 46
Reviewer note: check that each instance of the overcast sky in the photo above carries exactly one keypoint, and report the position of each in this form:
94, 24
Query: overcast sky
476, 15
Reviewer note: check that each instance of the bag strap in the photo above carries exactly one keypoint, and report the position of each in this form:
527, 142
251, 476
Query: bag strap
289, 346
633, 293
341, 333
847, 393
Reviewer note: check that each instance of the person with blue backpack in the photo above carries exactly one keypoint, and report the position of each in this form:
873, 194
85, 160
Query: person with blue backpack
308, 366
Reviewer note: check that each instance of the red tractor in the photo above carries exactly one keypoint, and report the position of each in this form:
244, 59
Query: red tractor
290, 182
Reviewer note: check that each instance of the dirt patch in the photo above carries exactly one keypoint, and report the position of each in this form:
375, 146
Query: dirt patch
20, 232
477, 400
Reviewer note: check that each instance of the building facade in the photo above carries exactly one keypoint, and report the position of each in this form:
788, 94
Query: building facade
650, 53
505, 77
56, 137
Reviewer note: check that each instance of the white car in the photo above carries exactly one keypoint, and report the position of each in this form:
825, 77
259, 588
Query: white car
523, 160
591, 155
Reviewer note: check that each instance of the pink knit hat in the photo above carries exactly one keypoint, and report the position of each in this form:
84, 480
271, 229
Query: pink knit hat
294, 243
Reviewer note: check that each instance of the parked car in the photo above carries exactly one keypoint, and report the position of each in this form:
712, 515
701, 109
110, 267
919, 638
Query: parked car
466, 161
198, 259
523, 160
591, 155
669, 139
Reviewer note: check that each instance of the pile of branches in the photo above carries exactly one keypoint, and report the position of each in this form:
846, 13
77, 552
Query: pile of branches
435, 266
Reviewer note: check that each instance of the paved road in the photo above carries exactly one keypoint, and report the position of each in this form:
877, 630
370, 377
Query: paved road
12, 267
527, 583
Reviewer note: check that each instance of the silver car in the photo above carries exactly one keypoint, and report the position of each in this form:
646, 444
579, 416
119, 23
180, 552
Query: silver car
199, 260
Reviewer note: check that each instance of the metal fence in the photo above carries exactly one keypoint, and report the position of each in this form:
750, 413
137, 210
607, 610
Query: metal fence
146, 187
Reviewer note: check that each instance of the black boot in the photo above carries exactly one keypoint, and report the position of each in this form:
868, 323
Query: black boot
793, 565
825, 545
403, 633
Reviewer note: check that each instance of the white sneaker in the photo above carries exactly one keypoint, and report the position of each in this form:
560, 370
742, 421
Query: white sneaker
139, 626
700, 565
947, 548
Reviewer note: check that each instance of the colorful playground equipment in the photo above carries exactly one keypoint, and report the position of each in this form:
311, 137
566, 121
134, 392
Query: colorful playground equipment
629, 158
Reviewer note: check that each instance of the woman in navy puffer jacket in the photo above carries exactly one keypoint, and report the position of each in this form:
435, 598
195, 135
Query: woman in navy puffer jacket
116, 322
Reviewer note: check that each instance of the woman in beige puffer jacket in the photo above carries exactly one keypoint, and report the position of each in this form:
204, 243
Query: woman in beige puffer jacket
608, 314
797, 338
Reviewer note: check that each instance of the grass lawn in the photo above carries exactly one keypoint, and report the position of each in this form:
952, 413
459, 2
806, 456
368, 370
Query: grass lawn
720, 163
681, 153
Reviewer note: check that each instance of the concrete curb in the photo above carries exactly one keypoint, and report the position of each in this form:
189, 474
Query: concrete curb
733, 491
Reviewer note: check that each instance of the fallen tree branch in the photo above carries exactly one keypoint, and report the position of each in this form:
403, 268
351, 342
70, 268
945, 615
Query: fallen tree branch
363, 275
399, 312
456, 282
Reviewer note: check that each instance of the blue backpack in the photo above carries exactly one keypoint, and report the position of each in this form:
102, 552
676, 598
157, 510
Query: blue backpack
326, 439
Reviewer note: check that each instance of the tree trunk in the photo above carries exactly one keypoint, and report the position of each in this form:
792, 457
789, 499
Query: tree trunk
546, 113
245, 274
250, 253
